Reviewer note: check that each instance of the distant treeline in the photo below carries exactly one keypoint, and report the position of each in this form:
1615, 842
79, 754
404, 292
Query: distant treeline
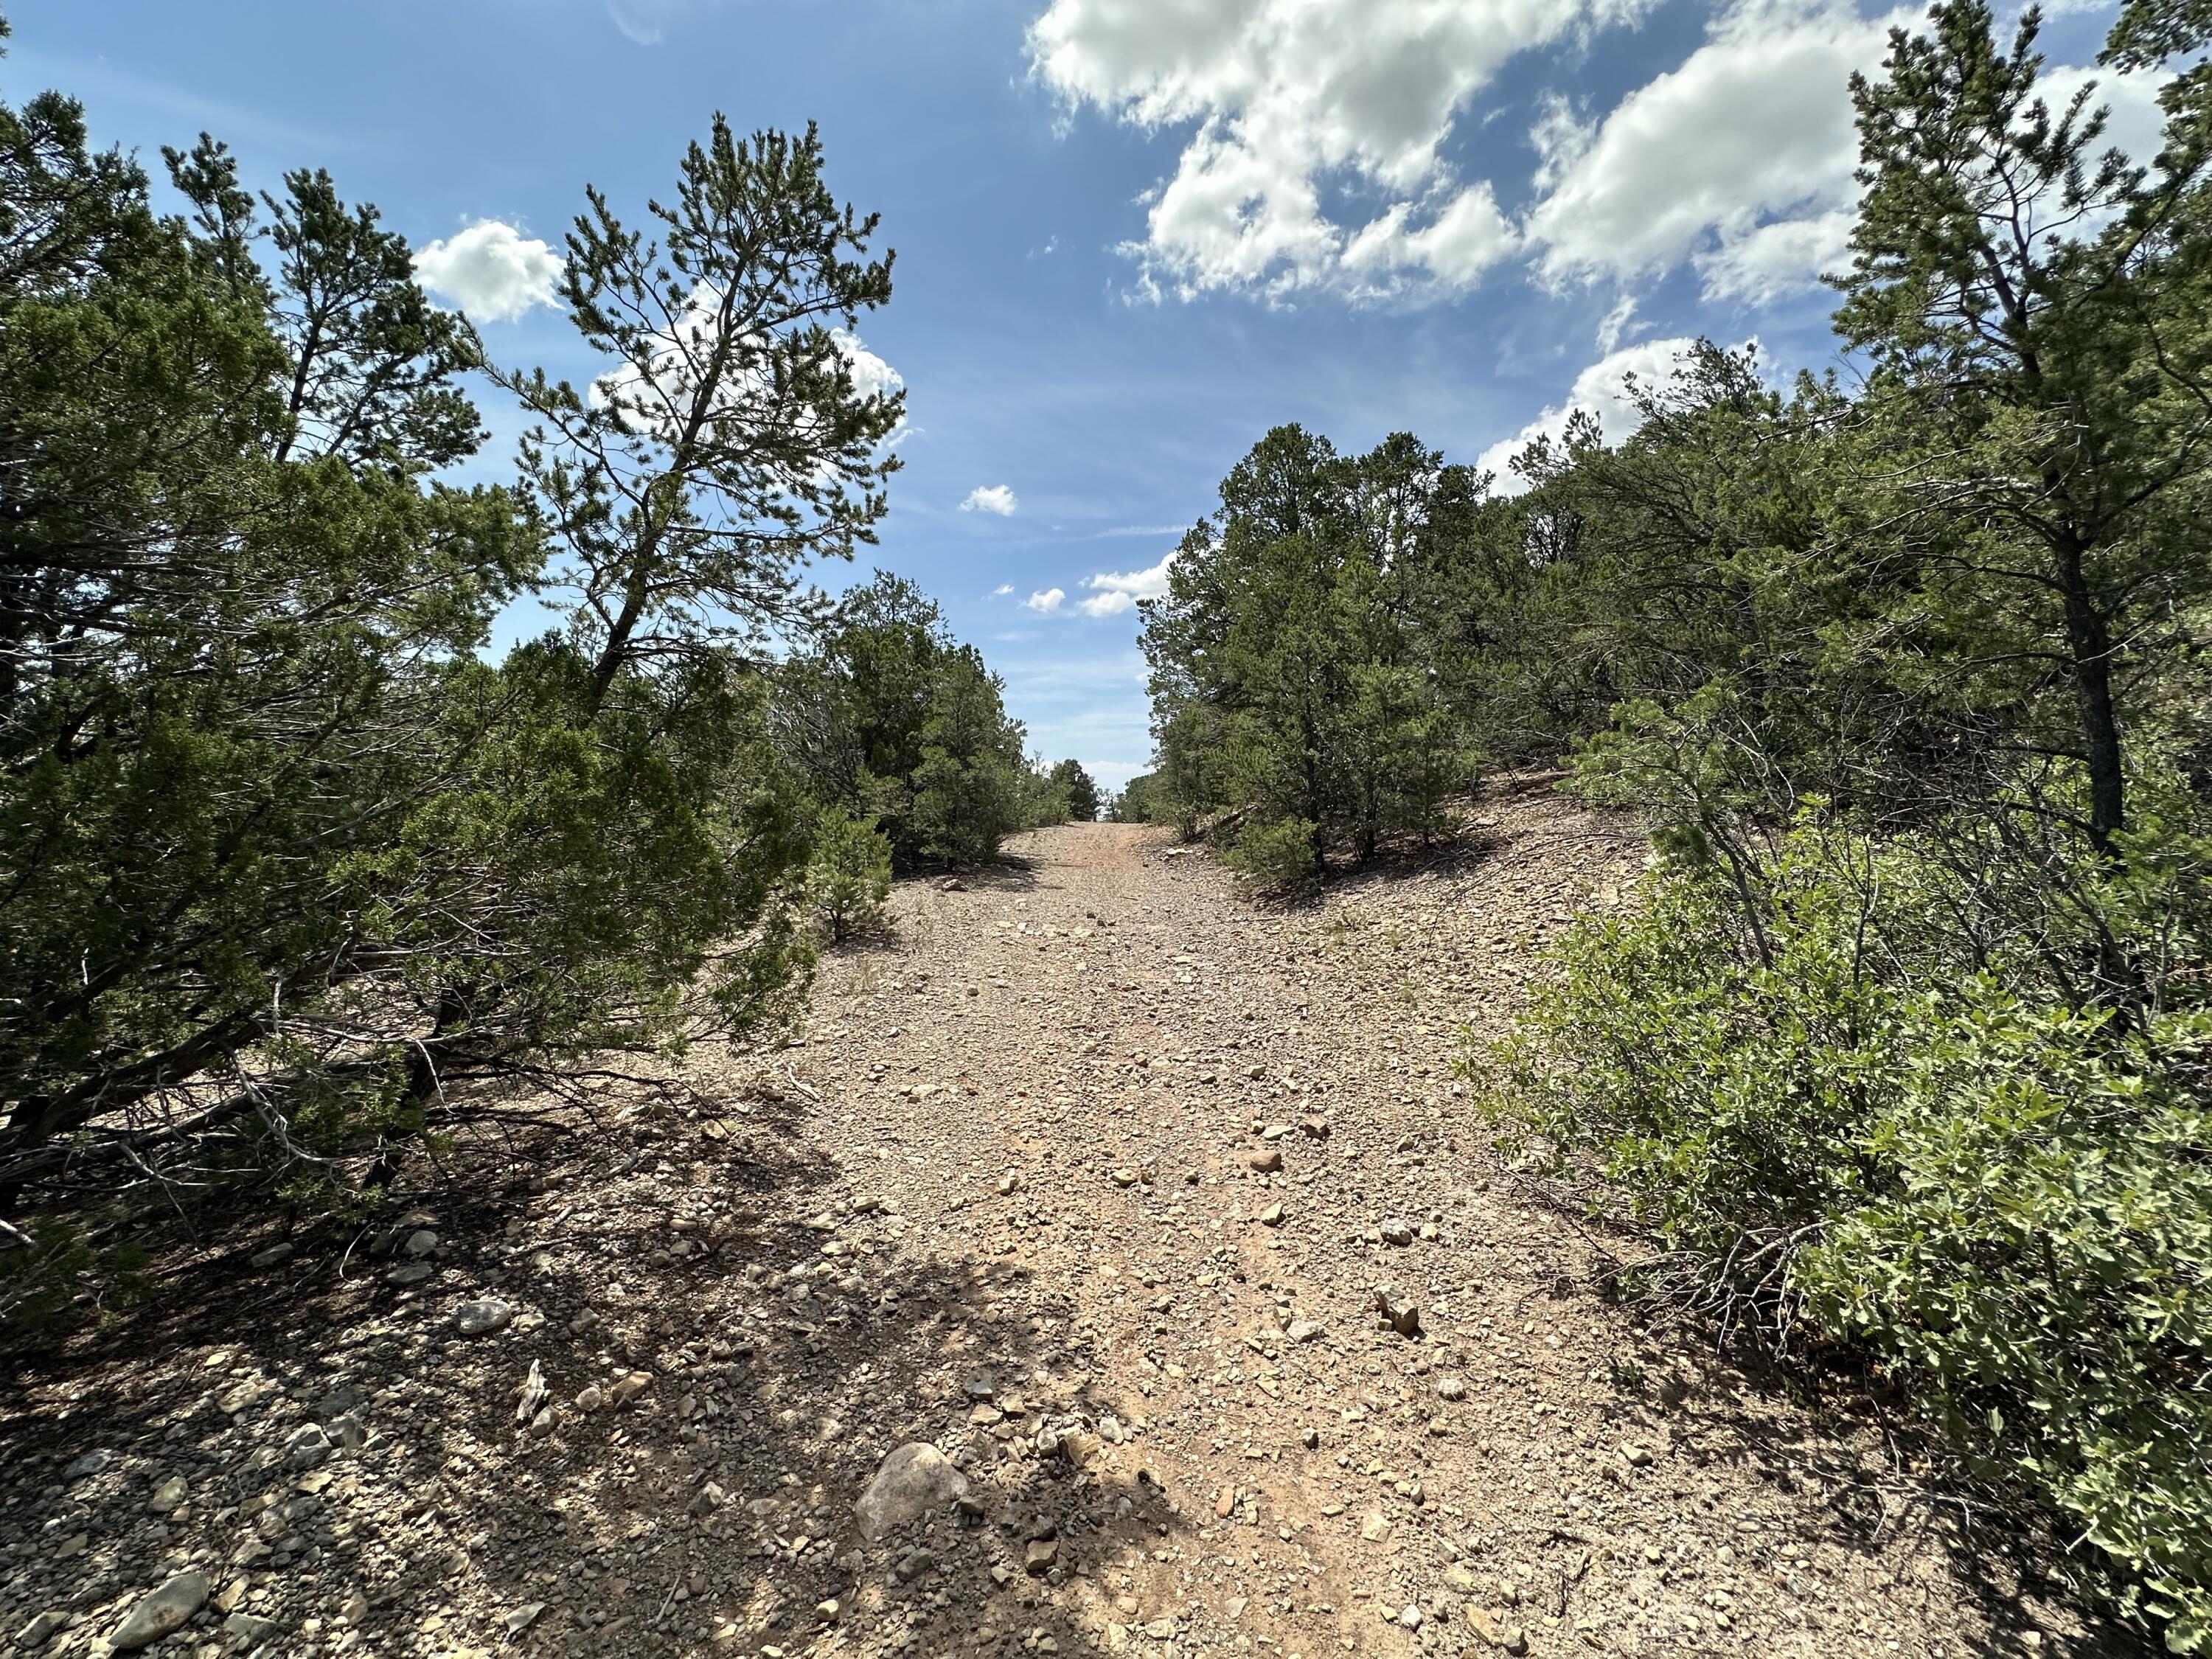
1903, 1052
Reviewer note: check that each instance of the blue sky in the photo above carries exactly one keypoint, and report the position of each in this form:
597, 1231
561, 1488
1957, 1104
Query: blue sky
1132, 235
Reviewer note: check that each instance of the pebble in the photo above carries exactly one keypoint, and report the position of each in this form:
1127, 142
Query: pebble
275, 1256
483, 1318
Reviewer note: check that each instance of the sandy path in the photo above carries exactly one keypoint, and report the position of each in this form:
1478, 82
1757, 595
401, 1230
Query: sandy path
1008, 1196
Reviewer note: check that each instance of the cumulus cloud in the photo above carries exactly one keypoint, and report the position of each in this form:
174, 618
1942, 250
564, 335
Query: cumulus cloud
1317, 137
1752, 129
1741, 161
1604, 389
1285, 100
991, 498
1112, 593
491, 270
1047, 602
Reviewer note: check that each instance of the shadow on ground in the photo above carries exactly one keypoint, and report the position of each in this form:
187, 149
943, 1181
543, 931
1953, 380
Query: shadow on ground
730, 1337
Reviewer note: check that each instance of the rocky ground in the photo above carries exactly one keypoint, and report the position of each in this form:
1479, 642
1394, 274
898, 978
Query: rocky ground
1087, 1178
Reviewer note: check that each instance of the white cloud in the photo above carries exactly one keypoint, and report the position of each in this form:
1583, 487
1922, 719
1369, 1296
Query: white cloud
1047, 602
491, 270
1111, 593
1741, 161
1716, 158
991, 498
1288, 99
1603, 389
1002, 590
1316, 136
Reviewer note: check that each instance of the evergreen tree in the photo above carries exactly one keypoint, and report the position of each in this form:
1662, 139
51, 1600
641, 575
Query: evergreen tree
1080, 791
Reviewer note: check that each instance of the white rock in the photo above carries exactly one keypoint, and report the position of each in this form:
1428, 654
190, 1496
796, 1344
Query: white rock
160, 1611
910, 1482
483, 1318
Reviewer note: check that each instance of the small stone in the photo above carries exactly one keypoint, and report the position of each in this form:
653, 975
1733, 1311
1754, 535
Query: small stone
1310, 1439
1451, 1388
247, 1630
1272, 1216
910, 1482
628, 1386
523, 1617
1266, 1161
160, 1611
1315, 1128
1304, 1330
1410, 1615
1233, 1609
410, 1272
167, 1495
1009, 1184
1125, 1177
1396, 1232
91, 1462
1400, 1311
1224, 1503
420, 1243
590, 1397
40, 1629
1041, 1556
1375, 1528
981, 1385
275, 1256
356, 1608
1638, 1456
1275, 1132
828, 1611
483, 1318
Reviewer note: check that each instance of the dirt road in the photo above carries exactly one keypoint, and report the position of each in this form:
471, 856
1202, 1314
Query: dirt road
1087, 1177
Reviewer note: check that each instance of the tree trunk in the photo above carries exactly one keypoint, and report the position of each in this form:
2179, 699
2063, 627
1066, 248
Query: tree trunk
2089, 645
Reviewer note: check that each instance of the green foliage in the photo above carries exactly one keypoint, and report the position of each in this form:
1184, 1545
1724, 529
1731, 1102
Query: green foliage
287, 871
1080, 789
1842, 1120
1282, 857
1290, 683
891, 718
1141, 800
1904, 1051
849, 877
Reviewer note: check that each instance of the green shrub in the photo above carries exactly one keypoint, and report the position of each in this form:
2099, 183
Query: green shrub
1845, 1117
849, 878
1280, 857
